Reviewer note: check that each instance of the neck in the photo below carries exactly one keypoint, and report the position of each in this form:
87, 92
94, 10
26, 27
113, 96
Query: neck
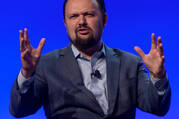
90, 51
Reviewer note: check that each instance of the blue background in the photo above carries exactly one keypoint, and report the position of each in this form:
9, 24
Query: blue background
129, 23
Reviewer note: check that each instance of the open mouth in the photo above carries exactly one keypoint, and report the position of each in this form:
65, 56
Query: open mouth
83, 31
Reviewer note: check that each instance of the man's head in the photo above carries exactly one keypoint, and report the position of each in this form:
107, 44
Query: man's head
84, 21
100, 3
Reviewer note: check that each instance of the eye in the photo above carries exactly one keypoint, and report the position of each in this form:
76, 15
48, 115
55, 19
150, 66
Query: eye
73, 16
89, 14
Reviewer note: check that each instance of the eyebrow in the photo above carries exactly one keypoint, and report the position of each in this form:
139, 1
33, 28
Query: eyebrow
86, 12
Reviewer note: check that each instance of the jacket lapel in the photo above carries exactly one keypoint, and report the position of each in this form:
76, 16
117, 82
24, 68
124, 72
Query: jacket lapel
70, 65
113, 71
75, 75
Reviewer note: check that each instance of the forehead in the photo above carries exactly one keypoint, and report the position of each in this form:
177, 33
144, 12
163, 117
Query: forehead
81, 5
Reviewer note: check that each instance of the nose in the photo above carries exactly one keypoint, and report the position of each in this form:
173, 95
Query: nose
82, 20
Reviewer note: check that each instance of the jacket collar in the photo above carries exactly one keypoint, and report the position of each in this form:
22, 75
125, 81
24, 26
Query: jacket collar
113, 75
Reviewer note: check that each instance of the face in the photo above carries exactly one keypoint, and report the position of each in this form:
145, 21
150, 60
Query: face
84, 23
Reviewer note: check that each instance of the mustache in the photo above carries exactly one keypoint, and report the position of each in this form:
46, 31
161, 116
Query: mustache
82, 27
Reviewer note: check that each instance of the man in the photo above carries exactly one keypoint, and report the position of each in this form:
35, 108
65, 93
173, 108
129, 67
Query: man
87, 79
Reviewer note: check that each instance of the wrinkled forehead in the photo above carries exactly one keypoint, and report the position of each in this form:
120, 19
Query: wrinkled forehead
81, 6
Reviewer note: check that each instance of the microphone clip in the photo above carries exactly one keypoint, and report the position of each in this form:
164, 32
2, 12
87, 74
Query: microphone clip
96, 73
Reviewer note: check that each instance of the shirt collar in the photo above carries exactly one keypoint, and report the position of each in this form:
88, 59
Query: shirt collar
77, 53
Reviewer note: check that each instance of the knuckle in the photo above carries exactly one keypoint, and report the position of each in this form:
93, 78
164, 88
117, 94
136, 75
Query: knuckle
36, 56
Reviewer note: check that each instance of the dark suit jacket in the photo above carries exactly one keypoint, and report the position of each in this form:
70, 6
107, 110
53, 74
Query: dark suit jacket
58, 87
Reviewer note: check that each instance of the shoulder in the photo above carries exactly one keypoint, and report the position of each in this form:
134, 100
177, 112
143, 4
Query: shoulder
129, 62
50, 59
53, 55
126, 56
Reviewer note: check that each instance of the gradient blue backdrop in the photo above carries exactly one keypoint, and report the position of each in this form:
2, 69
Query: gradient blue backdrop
129, 23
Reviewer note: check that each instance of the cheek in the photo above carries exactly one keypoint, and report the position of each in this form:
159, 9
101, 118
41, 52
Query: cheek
97, 26
96, 23
71, 29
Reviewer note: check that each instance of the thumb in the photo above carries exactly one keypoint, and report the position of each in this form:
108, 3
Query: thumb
139, 51
41, 44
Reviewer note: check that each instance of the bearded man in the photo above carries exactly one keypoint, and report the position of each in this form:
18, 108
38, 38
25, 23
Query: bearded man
87, 79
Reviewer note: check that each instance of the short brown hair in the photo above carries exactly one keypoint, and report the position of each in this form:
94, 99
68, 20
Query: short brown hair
100, 3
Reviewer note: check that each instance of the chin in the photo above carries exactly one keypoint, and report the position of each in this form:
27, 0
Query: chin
84, 38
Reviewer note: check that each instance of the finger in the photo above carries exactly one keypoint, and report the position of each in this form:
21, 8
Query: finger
139, 52
22, 45
154, 43
26, 37
21, 40
163, 60
40, 46
159, 40
160, 46
21, 34
24, 55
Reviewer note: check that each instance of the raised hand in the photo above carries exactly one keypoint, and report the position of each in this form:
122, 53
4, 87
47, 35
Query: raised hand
29, 55
154, 60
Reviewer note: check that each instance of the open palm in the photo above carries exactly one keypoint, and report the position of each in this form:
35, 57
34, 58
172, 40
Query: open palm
154, 60
29, 55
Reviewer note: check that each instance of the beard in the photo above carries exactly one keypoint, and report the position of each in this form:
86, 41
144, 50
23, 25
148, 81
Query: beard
84, 42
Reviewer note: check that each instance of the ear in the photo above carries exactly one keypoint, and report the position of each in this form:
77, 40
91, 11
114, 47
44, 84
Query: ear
105, 19
64, 21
